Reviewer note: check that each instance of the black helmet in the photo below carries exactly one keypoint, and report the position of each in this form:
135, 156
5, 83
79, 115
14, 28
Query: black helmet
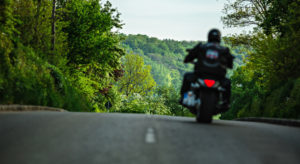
214, 35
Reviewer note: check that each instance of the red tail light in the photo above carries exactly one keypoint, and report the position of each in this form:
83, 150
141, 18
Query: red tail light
209, 83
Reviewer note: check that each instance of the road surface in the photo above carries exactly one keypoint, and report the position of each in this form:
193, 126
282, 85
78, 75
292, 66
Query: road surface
90, 138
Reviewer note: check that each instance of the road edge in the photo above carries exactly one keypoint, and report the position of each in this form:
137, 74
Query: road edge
278, 121
22, 108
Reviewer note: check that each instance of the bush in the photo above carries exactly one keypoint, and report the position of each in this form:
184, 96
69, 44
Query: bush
34, 81
147, 104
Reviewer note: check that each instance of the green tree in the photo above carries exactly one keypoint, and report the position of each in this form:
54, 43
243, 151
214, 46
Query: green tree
263, 86
7, 35
242, 13
171, 97
137, 76
58, 52
282, 17
94, 50
89, 33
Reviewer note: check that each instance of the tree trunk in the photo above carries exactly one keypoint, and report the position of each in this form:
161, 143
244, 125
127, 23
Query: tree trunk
53, 26
37, 17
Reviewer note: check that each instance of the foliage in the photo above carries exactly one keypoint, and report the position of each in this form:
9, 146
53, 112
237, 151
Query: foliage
6, 35
136, 103
164, 56
268, 83
94, 52
137, 77
76, 73
171, 97
282, 17
89, 33
242, 13
137, 88
37, 82
85, 71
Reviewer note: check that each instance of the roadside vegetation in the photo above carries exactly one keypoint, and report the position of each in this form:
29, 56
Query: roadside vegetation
58, 53
69, 54
269, 82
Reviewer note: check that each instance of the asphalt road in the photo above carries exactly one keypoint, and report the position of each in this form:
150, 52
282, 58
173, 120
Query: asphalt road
88, 138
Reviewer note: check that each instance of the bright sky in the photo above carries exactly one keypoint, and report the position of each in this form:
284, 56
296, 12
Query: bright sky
172, 19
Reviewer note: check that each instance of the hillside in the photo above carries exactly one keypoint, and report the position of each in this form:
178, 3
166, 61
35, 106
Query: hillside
166, 57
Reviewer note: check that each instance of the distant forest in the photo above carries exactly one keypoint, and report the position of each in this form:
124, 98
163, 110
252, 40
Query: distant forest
166, 57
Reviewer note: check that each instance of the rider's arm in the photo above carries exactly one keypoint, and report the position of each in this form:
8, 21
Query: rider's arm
192, 54
229, 58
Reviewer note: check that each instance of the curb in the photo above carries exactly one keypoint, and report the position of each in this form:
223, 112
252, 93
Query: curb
22, 108
278, 121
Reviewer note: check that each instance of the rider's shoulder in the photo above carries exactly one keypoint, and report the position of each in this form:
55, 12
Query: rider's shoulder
199, 45
222, 48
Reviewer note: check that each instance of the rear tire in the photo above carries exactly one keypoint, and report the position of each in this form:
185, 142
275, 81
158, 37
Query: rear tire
208, 106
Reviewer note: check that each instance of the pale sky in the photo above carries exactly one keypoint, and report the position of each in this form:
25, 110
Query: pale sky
172, 19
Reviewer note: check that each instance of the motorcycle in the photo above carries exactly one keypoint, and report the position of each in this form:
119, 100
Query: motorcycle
204, 99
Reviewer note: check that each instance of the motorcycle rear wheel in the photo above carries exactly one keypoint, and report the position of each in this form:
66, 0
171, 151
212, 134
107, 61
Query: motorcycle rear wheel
208, 106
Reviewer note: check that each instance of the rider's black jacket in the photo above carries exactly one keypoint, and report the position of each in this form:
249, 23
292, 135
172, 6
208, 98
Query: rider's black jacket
212, 59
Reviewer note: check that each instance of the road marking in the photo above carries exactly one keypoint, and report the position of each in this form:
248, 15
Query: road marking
150, 137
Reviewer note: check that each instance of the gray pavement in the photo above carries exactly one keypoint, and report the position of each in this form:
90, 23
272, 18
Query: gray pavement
67, 137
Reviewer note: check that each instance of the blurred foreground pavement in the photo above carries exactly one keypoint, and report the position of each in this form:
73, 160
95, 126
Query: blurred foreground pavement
77, 138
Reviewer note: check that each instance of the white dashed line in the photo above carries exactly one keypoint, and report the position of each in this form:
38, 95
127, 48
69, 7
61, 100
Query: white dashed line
150, 137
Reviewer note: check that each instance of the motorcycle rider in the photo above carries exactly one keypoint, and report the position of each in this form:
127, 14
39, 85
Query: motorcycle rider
213, 60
